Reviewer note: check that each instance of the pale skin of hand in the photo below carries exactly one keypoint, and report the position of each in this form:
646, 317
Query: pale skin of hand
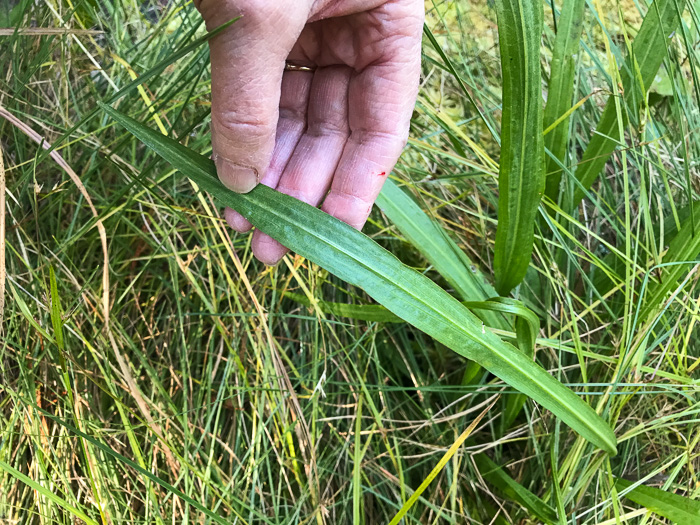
326, 137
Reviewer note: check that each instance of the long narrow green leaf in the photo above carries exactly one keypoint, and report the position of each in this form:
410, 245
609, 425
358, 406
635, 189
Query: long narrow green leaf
508, 487
46, 493
521, 176
648, 52
360, 261
372, 313
439, 249
678, 509
561, 91
685, 246
447, 64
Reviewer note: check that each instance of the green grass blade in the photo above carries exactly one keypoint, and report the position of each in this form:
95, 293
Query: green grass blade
438, 248
123, 459
508, 487
676, 508
556, 489
360, 261
372, 313
648, 52
521, 175
685, 246
561, 91
447, 63
46, 493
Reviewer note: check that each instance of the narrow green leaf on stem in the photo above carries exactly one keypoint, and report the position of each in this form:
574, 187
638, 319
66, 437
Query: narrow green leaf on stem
508, 487
360, 261
648, 52
671, 506
433, 242
560, 91
521, 175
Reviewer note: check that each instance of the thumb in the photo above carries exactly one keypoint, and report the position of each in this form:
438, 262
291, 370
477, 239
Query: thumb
247, 63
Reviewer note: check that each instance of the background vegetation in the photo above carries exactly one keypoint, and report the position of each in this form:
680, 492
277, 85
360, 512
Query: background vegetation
221, 388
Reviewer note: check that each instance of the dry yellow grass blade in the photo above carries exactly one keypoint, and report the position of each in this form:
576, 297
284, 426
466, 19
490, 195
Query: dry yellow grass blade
124, 367
2, 239
441, 464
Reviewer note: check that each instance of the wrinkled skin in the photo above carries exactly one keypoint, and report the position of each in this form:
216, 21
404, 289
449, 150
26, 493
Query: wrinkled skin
330, 136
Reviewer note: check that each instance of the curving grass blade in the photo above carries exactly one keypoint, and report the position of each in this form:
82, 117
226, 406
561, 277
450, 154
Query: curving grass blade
360, 261
683, 248
637, 75
561, 91
521, 174
372, 313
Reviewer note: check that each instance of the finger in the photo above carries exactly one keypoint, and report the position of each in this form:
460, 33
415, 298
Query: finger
310, 170
294, 100
247, 65
381, 98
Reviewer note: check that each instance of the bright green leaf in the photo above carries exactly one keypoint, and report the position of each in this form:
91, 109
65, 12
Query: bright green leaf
360, 261
521, 175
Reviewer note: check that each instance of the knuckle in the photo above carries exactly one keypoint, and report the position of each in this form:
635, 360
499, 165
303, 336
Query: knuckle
244, 128
329, 129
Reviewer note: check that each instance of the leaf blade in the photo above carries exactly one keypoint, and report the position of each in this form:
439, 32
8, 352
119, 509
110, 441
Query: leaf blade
438, 248
521, 173
671, 506
360, 261
648, 52
561, 91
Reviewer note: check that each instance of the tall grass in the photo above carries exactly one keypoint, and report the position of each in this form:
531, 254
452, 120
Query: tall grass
188, 384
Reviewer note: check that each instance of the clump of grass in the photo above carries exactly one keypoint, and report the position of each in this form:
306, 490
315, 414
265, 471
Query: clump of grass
209, 388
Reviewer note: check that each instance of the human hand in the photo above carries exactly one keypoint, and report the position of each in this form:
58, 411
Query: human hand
340, 127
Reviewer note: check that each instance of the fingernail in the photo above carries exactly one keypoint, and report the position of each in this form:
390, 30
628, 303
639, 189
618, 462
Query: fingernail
240, 179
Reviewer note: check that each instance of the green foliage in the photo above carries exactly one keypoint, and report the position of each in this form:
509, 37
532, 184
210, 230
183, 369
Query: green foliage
676, 508
560, 92
648, 50
213, 389
521, 175
357, 259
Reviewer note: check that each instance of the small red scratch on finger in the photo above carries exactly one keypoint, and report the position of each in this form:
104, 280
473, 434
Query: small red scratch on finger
382, 174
